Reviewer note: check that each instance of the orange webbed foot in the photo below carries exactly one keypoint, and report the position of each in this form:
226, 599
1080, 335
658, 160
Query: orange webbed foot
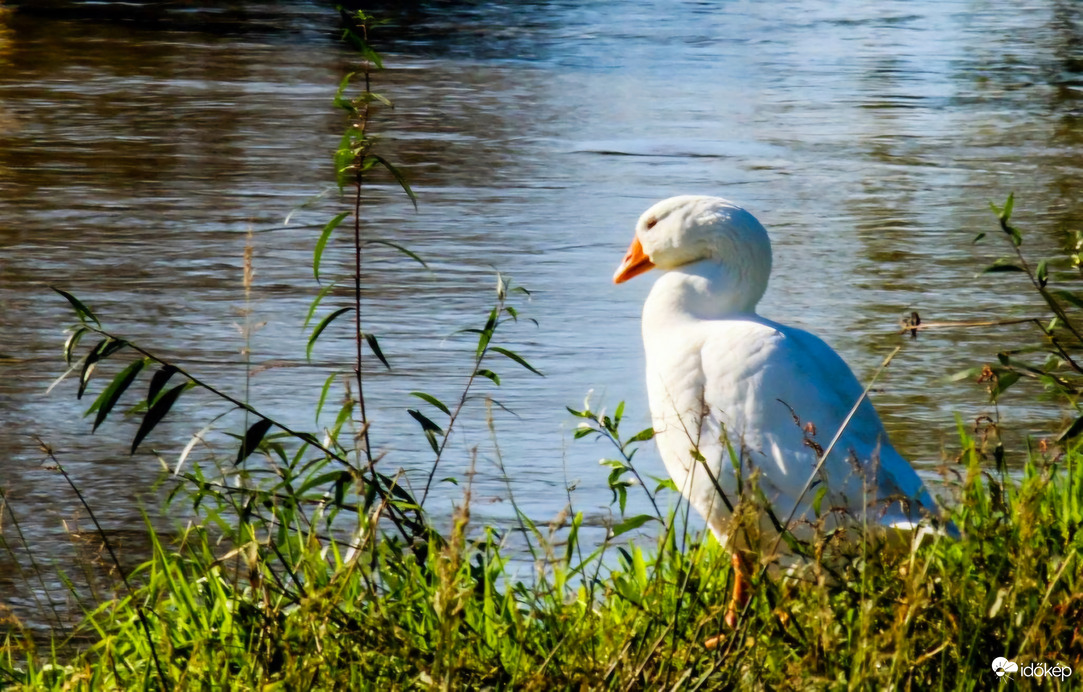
741, 588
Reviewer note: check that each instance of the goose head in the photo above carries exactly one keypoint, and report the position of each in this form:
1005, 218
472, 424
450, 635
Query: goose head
708, 237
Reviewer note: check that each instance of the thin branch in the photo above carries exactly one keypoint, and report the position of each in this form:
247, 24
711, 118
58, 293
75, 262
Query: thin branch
407, 527
823, 457
139, 609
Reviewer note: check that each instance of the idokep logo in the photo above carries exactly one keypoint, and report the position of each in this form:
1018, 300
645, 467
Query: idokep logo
1005, 668
1002, 666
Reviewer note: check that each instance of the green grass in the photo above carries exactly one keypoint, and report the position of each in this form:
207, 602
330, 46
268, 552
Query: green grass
285, 609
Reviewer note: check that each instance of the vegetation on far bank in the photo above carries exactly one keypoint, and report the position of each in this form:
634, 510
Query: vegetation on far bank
313, 567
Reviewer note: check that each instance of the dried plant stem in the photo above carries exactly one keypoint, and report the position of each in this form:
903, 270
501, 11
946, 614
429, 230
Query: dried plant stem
139, 609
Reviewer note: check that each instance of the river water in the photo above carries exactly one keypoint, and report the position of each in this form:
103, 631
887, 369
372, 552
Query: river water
138, 147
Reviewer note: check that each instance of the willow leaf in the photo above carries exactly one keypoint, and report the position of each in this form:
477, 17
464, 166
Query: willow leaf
400, 248
370, 339
157, 412
319, 329
82, 311
398, 176
432, 400
252, 439
111, 394
517, 358
325, 235
158, 381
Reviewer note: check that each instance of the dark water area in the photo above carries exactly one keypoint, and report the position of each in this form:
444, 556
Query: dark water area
140, 144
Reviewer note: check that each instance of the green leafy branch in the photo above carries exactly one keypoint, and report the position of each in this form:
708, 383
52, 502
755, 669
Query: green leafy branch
499, 315
354, 159
608, 427
161, 398
1060, 371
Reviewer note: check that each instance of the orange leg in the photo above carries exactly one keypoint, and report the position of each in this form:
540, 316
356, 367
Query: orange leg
741, 589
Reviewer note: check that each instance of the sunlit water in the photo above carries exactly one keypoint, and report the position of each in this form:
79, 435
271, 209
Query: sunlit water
868, 138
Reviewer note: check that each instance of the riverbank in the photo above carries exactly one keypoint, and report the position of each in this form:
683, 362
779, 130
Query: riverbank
934, 615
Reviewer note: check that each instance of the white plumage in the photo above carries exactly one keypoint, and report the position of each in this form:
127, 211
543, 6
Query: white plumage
728, 383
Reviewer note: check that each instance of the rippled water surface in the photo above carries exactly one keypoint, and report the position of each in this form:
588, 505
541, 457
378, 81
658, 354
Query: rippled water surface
138, 148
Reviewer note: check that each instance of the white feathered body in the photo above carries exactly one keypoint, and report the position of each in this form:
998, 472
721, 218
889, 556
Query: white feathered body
727, 383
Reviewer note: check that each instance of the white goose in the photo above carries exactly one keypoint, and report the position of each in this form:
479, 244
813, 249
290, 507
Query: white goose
722, 380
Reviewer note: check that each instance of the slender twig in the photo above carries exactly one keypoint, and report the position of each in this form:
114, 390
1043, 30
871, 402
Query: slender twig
407, 526
1040, 287
358, 337
139, 609
1052, 302
361, 123
997, 323
5, 504
463, 398
823, 457
1037, 619
966, 323
628, 462
498, 459
447, 431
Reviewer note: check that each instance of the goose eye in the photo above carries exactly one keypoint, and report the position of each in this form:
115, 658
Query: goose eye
651, 223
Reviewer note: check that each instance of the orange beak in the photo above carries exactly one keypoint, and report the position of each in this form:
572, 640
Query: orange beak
635, 263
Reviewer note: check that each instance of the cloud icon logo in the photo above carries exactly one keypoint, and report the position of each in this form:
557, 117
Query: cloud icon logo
1002, 666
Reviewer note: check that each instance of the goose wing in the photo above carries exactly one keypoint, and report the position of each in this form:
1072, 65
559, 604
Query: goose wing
759, 399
